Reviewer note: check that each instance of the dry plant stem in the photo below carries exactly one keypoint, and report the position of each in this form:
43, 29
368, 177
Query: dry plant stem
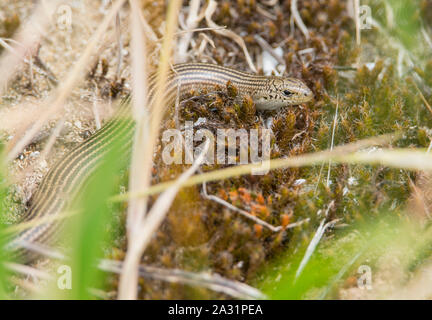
332, 140
357, 21
26, 285
313, 244
205, 280
46, 150
138, 175
249, 216
427, 38
340, 154
95, 111
65, 86
138, 225
341, 273
51, 140
298, 20
119, 46
147, 28
419, 197
213, 282
26, 270
428, 106
129, 277
33, 65
157, 110
192, 22
42, 250
265, 13
28, 37
198, 30
205, 194
37, 64
211, 8
37, 221
242, 212
266, 47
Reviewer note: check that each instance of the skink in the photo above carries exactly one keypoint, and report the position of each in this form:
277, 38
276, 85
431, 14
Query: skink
69, 174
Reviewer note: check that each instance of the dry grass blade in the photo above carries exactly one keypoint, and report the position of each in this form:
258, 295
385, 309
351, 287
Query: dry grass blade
29, 61
157, 109
332, 139
145, 231
428, 106
211, 8
38, 221
26, 270
204, 280
66, 86
129, 277
45, 151
267, 47
42, 250
139, 175
298, 20
339, 154
147, 28
26, 40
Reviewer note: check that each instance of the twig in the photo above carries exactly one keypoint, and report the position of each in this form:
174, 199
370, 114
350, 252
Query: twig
26, 285
138, 175
211, 8
298, 20
28, 36
151, 35
212, 282
205, 280
427, 38
62, 92
266, 47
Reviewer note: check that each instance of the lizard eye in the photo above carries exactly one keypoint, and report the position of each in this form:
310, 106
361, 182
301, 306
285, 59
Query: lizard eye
288, 93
